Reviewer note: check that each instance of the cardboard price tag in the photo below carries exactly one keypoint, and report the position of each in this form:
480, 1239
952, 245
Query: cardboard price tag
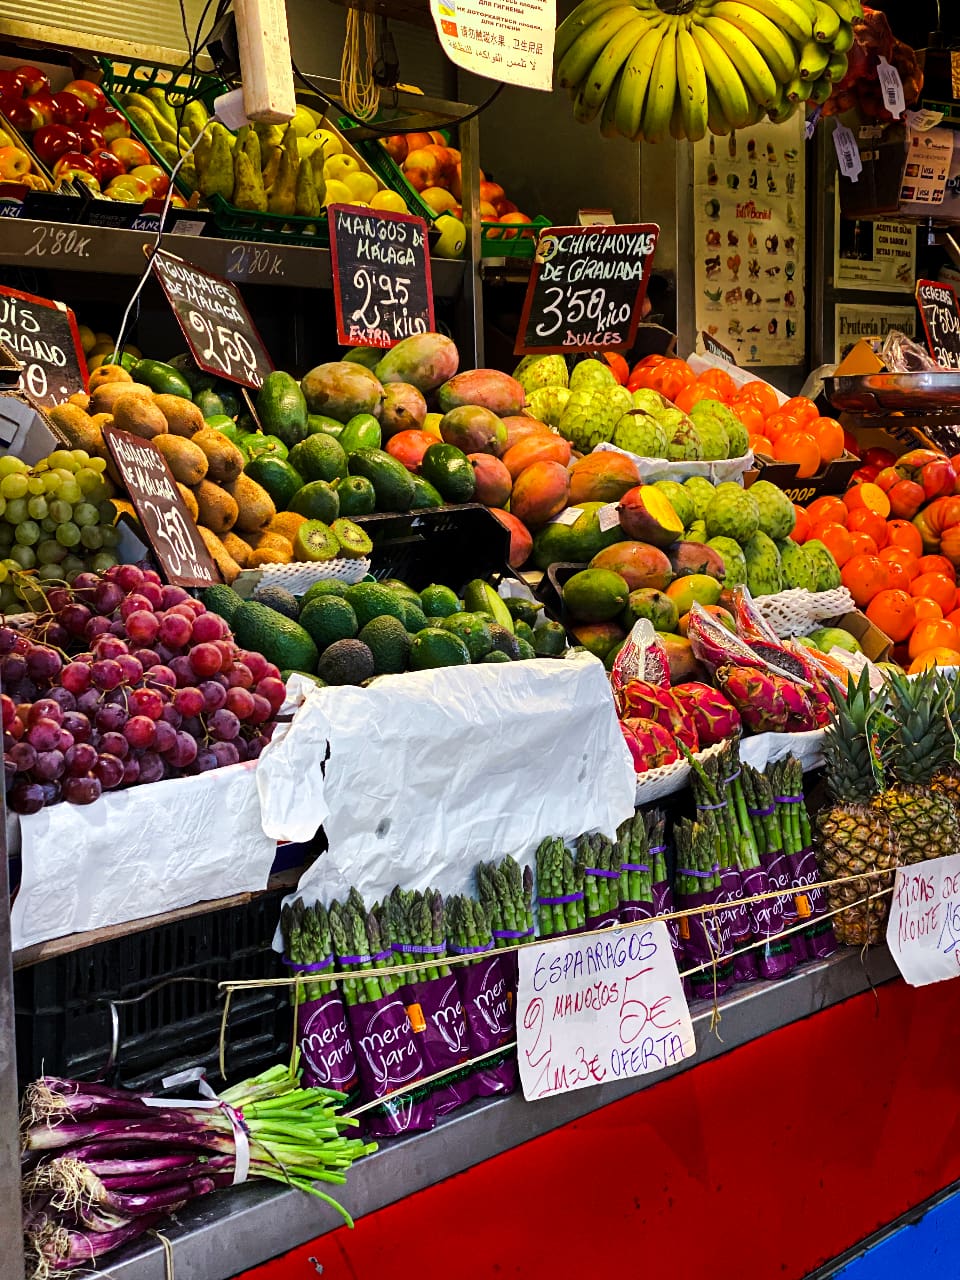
923, 931
600, 1008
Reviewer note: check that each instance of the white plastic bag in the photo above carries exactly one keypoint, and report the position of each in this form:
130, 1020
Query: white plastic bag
652, 469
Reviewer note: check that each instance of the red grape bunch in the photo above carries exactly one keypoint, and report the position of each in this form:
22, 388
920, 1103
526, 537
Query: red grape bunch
153, 686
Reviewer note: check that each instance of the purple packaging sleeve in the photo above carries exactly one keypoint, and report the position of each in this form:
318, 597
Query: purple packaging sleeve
388, 1058
631, 911
739, 928
775, 958
706, 941
326, 1050
663, 906
488, 1006
436, 1015
780, 874
819, 937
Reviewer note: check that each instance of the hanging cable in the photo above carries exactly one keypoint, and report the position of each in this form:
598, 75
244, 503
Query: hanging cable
357, 85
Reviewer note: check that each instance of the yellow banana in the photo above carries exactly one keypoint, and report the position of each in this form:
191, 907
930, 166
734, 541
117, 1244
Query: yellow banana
782, 110
572, 27
723, 78
596, 86
754, 71
795, 20
843, 40
691, 84
798, 90
608, 116
662, 90
773, 45
717, 121
583, 112
847, 9
813, 60
635, 79
827, 23
575, 64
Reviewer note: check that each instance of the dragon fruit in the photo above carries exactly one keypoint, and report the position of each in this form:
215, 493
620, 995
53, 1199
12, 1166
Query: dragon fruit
650, 702
713, 644
715, 718
655, 743
636, 751
767, 703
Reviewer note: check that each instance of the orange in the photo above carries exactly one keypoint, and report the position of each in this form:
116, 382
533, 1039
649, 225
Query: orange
865, 521
954, 617
799, 447
864, 576
801, 530
828, 434
691, 395
942, 656
802, 408
928, 610
828, 511
778, 423
750, 415
720, 381
867, 495
901, 565
935, 586
862, 545
761, 394
837, 541
904, 534
937, 564
761, 444
894, 612
931, 634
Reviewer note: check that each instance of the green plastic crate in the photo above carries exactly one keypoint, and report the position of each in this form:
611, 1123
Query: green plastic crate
388, 172
493, 244
239, 224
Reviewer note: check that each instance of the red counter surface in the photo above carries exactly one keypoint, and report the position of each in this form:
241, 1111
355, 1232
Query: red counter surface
763, 1163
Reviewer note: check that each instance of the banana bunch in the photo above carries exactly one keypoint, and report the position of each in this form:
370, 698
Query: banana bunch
721, 65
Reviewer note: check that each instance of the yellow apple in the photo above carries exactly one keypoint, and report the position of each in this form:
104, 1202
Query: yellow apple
337, 167
453, 237
307, 146
331, 143
303, 122
338, 193
390, 201
363, 185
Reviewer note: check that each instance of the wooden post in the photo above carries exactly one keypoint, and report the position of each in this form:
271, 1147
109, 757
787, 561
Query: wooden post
268, 92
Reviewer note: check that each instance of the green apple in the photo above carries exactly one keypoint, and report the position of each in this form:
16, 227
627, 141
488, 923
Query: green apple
827, 638
303, 122
453, 237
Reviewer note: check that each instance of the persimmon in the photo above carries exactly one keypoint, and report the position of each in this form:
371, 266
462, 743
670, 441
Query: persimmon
867, 495
937, 564
904, 534
780, 423
618, 366
894, 612
940, 657
938, 587
761, 444
828, 434
901, 565
750, 415
827, 510
933, 634
720, 381
692, 395
802, 408
864, 576
863, 520
759, 393
862, 544
928, 610
801, 448
801, 530
837, 540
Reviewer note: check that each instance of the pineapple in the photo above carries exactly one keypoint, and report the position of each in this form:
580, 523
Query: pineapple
920, 748
854, 834
947, 782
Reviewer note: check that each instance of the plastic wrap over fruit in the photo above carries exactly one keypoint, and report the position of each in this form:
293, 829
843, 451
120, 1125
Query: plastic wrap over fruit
715, 717
642, 657
656, 744
652, 702
902, 355
767, 703
713, 644
753, 628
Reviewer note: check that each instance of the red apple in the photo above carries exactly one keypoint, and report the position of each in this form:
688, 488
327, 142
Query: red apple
127, 187
87, 92
396, 147
44, 103
91, 139
14, 163
111, 122
130, 151
153, 176
11, 86
32, 80
107, 165
68, 108
52, 140
25, 116
74, 164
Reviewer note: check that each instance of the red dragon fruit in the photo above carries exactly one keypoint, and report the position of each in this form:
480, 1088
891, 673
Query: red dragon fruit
656, 744
767, 703
636, 751
716, 718
713, 644
649, 702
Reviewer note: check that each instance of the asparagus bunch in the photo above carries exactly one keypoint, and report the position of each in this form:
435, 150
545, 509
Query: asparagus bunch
307, 941
558, 878
356, 940
655, 824
506, 893
409, 920
633, 852
467, 925
697, 871
599, 861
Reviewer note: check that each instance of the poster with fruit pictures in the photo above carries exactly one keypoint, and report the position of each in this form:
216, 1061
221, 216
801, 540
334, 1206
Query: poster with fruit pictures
749, 242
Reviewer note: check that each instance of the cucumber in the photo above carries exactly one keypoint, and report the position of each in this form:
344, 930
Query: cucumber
281, 408
163, 379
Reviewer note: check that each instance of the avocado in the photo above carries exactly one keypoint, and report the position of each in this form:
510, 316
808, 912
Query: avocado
221, 600
281, 408
278, 477
281, 640
549, 639
357, 496
450, 471
473, 629
434, 647
325, 587
414, 619
523, 610
496, 655
526, 650
370, 600
317, 501
424, 494
162, 378
388, 641
319, 457
328, 618
280, 599
346, 662
504, 641
392, 482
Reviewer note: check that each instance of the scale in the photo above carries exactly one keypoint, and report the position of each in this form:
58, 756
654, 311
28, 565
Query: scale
927, 402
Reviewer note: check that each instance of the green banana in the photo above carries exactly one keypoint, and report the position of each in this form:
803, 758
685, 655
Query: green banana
820, 90
691, 84
580, 57
798, 90
843, 40
635, 80
755, 72
813, 60
827, 25
836, 67
661, 92
733, 101
596, 87
773, 44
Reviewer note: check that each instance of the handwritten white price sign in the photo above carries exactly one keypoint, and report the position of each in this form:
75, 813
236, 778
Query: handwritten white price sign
923, 932
597, 1009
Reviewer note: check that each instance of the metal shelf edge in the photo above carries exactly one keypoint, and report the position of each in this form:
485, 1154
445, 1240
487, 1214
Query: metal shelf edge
234, 1231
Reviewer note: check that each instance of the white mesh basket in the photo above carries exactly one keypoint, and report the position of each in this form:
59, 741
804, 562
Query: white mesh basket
301, 574
669, 778
798, 612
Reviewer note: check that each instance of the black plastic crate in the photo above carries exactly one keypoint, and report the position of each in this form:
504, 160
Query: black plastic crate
549, 591
450, 545
64, 1020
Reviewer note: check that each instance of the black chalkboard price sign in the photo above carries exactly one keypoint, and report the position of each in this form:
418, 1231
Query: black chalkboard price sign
941, 321
381, 276
586, 288
715, 348
217, 326
175, 539
43, 335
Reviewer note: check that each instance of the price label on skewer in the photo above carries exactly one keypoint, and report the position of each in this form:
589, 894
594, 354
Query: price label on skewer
217, 326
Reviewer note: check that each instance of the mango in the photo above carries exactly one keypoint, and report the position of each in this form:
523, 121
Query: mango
540, 492
681, 659
521, 542
490, 388
639, 564
602, 477
647, 516
542, 446
426, 361
693, 587
403, 409
341, 389
599, 638
520, 426
697, 558
654, 605
473, 429
494, 481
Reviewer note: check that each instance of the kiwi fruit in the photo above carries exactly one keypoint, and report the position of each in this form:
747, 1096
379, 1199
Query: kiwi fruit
224, 458
266, 555
139, 416
183, 416
354, 541
315, 540
240, 550
79, 429
108, 393
190, 501
286, 523
275, 541
187, 463
81, 399
108, 373
219, 554
256, 508
218, 510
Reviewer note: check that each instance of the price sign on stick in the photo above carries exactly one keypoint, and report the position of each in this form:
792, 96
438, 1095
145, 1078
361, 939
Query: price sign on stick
184, 558
923, 931
595, 1009
941, 321
381, 276
586, 288
217, 326
43, 335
